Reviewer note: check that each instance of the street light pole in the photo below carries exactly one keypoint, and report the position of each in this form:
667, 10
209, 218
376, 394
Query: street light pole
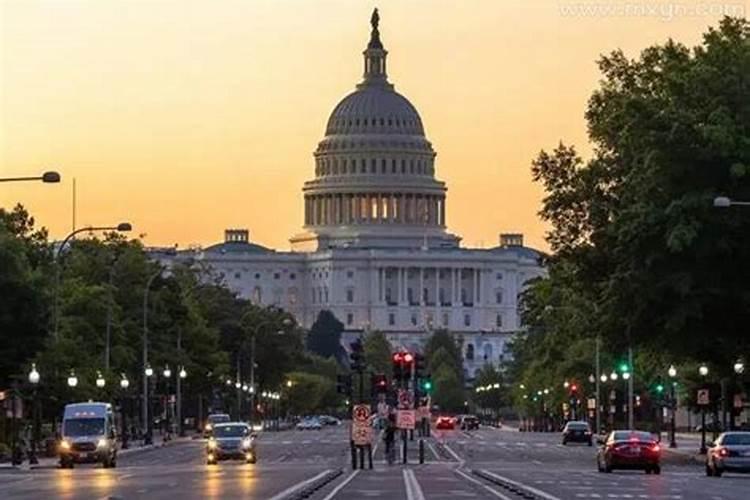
122, 227
597, 375
703, 372
144, 360
34, 380
630, 378
50, 177
672, 372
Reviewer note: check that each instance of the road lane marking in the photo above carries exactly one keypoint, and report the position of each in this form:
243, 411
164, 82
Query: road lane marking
479, 483
453, 453
413, 490
341, 485
537, 492
296, 487
433, 450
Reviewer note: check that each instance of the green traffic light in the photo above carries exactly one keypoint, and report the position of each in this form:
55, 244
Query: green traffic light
660, 388
624, 367
427, 386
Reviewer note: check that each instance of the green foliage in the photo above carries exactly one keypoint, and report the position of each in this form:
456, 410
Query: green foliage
324, 338
642, 258
311, 392
377, 352
443, 359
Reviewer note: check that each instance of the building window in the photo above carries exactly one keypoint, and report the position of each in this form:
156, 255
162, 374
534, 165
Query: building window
446, 319
237, 276
350, 274
410, 296
325, 295
276, 276
470, 351
499, 320
257, 276
467, 319
349, 319
499, 276
388, 295
292, 276
498, 296
391, 319
414, 319
350, 295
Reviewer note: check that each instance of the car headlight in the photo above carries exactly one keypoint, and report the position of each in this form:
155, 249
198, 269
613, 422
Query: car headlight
209, 427
102, 443
211, 444
64, 445
247, 443
258, 427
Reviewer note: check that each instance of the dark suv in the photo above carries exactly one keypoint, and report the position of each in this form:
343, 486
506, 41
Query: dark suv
577, 432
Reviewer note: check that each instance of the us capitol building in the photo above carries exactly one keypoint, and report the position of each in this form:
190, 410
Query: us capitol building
375, 250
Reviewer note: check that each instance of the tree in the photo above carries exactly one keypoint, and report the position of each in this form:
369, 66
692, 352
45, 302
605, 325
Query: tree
324, 338
642, 258
449, 392
25, 262
377, 351
449, 347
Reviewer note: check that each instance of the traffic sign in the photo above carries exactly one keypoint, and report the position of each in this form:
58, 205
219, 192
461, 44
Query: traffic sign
703, 397
361, 430
405, 419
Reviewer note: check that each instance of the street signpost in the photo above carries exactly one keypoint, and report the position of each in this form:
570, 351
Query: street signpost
406, 419
405, 399
361, 435
703, 397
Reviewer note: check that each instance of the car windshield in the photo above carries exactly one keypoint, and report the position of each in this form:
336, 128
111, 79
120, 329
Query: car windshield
736, 439
470, 417
578, 426
216, 419
83, 427
224, 431
633, 436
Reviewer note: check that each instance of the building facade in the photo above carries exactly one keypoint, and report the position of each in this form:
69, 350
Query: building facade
375, 249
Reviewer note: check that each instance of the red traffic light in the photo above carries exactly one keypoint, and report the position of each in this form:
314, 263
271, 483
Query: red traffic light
573, 388
398, 357
408, 357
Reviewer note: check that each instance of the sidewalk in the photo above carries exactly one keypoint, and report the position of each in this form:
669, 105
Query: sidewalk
52, 462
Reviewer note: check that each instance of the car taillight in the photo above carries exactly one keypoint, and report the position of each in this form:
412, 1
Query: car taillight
656, 448
723, 452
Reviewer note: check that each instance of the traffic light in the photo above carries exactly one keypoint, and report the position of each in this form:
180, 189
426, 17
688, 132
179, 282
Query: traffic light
356, 357
426, 385
398, 366
379, 384
344, 384
573, 389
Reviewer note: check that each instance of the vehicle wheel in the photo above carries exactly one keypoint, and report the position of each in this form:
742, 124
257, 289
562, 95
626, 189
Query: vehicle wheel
591, 443
564, 442
657, 470
709, 471
647, 470
608, 468
599, 465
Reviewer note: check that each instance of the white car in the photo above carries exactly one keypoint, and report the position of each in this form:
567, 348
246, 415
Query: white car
309, 424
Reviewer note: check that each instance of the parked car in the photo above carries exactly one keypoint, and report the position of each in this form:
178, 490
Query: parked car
710, 427
577, 432
310, 423
629, 449
329, 420
730, 453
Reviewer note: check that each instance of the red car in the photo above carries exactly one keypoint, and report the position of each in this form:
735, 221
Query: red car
629, 450
445, 423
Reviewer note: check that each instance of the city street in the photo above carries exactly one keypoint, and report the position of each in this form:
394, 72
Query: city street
484, 464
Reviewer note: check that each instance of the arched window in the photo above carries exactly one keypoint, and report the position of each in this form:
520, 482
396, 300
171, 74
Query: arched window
470, 351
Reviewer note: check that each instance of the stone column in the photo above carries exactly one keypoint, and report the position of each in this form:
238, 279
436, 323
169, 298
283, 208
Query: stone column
437, 288
453, 287
421, 286
442, 211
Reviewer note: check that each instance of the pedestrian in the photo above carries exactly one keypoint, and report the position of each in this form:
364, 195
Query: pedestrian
389, 436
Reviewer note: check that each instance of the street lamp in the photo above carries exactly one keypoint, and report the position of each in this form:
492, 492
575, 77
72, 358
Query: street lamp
566, 384
50, 177
147, 422
626, 376
72, 379
613, 376
167, 372
124, 384
122, 227
182, 375
603, 378
34, 381
672, 372
100, 382
148, 371
739, 367
726, 202
703, 372
289, 384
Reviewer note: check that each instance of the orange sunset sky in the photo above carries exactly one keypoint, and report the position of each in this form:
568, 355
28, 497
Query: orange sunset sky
187, 117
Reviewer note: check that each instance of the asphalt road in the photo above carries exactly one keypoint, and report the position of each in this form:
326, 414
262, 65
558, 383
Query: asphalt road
484, 464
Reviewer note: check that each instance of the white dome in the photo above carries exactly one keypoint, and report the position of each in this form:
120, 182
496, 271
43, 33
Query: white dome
375, 109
